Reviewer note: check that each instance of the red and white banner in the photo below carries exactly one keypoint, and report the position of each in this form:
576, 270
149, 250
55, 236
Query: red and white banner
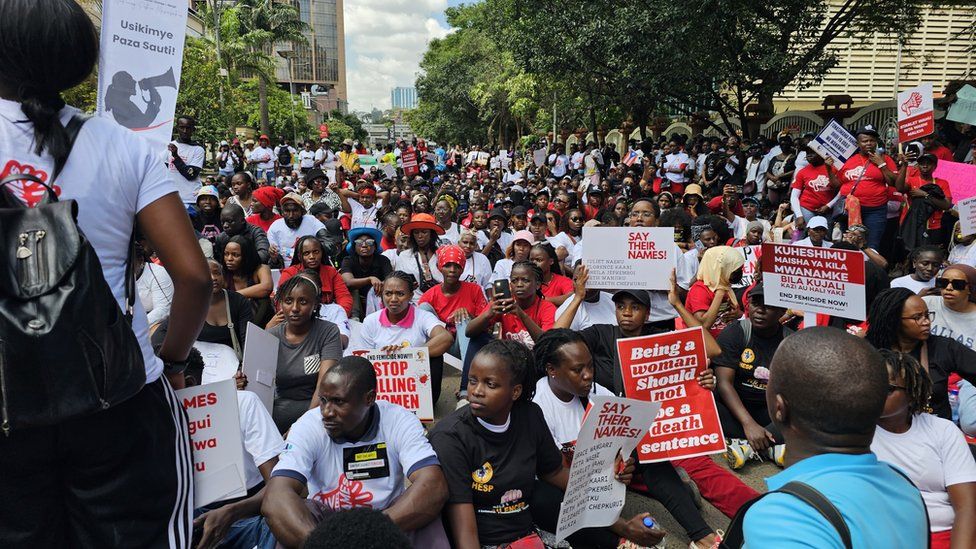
664, 368
916, 114
409, 158
814, 280
403, 378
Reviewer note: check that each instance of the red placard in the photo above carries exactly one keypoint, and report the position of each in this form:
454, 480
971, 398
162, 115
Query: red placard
409, 158
916, 114
664, 368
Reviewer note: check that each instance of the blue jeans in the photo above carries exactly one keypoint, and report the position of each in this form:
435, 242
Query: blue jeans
875, 220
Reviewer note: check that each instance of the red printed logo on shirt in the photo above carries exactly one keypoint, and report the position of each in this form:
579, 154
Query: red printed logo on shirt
29, 192
347, 495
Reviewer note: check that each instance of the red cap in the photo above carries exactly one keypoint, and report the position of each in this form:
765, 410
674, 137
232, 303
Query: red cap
265, 137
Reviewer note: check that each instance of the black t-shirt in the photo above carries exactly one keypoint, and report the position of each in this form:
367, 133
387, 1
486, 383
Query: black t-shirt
496, 472
241, 312
946, 356
602, 342
750, 360
379, 267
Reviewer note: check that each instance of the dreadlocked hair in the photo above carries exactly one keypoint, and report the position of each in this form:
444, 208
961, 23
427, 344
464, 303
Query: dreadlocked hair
536, 270
407, 278
884, 318
520, 363
546, 349
288, 286
918, 384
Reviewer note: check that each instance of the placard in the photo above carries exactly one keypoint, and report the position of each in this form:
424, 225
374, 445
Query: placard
834, 141
629, 257
539, 157
261, 364
389, 171
961, 178
964, 108
403, 378
139, 65
215, 437
814, 280
967, 215
593, 497
664, 368
219, 361
916, 115
408, 159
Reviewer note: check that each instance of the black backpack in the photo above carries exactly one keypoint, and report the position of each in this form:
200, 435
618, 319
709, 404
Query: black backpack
66, 349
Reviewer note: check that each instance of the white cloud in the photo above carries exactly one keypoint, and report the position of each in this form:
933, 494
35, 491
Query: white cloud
385, 40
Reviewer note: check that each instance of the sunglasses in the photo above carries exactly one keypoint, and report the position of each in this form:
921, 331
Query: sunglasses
954, 283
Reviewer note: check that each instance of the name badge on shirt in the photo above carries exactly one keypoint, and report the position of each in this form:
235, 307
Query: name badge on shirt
366, 462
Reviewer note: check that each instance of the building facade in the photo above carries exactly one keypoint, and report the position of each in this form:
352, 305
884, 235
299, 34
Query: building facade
318, 67
403, 98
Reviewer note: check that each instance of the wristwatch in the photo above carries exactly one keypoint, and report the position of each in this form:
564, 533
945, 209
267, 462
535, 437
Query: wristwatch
174, 366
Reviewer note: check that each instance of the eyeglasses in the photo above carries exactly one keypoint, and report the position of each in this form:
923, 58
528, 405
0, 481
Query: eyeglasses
954, 283
645, 215
921, 318
893, 388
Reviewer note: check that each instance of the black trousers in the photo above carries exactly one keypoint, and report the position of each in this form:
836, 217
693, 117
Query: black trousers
733, 429
122, 477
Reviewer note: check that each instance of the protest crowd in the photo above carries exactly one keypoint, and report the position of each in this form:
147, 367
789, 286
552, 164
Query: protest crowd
346, 262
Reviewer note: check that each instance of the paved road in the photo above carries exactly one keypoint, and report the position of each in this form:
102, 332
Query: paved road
752, 474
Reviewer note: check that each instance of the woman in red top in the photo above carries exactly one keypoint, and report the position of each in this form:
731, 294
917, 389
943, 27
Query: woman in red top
814, 190
524, 316
453, 301
309, 254
711, 298
866, 176
556, 288
263, 201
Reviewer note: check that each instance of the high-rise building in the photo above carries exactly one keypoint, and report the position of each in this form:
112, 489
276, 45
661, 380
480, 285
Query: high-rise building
318, 67
403, 98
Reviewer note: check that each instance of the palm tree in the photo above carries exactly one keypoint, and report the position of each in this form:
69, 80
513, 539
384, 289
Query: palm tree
262, 24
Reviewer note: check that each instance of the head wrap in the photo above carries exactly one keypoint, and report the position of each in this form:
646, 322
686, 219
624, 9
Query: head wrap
753, 224
717, 265
268, 196
450, 254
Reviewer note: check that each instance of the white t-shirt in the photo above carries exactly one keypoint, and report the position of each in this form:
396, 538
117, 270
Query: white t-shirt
963, 254
306, 159
284, 237
291, 153
604, 311
503, 269
477, 270
934, 454
564, 240
326, 159
315, 459
192, 155
564, 418
334, 313
376, 336
687, 269
558, 163
806, 242
675, 161
409, 262
914, 285
112, 174
361, 216
156, 292
263, 157
259, 436
450, 236
949, 323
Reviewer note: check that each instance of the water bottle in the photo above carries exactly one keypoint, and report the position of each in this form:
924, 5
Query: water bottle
649, 522
954, 404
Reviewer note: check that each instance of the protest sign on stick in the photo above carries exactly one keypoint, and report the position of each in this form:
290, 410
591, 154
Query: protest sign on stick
814, 280
629, 257
409, 159
916, 115
139, 65
961, 178
593, 497
834, 141
261, 364
403, 378
664, 368
215, 436
539, 157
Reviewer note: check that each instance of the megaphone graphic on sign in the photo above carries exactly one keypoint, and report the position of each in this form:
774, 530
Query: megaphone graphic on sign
165, 80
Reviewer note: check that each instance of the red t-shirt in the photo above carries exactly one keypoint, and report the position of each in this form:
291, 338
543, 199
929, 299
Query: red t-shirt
872, 190
814, 186
469, 297
942, 153
700, 300
914, 179
715, 206
559, 286
255, 219
541, 312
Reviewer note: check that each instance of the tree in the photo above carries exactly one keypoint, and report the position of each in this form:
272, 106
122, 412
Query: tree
284, 118
200, 94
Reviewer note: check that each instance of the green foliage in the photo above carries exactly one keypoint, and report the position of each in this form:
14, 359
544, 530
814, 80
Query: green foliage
285, 118
352, 126
200, 93
84, 95
339, 131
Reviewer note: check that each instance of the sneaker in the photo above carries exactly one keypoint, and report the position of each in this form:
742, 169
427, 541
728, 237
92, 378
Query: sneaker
777, 453
692, 487
738, 452
716, 543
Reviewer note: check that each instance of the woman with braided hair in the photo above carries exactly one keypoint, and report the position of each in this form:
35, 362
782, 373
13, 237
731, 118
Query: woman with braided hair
930, 450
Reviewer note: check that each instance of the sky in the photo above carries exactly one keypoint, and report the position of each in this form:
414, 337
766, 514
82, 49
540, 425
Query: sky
385, 40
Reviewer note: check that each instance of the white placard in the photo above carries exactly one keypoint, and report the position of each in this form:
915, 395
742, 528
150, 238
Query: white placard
403, 378
139, 65
539, 157
814, 280
629, 257
593, 497
215, 436
389, 170
916, 113
834, 141
261, 364
219, 361
967, 215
